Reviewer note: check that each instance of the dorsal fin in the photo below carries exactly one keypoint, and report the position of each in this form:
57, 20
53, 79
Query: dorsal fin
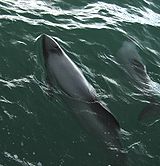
105, 115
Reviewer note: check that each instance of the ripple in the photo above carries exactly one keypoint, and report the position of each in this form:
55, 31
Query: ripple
17, 160
16, 82
95, 15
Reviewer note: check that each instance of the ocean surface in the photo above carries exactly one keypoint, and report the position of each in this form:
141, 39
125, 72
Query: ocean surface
37, 129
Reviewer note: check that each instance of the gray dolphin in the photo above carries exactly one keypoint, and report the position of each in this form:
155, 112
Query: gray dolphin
92, 114
132, 63
134, 66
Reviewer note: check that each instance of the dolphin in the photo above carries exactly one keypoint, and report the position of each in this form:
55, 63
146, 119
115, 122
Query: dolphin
92, 114
132, 63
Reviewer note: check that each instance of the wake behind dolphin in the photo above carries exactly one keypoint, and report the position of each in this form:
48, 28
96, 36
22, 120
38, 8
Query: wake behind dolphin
91, 113
132, 63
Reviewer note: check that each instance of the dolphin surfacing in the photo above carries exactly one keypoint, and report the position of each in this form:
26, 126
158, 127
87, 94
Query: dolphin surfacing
133, 64
131, 61
92, 114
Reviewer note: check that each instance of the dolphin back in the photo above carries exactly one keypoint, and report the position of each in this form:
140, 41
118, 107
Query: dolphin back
105, 115
99, 122
96, 120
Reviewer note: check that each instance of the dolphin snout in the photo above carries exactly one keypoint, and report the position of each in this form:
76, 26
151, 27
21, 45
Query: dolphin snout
49, 45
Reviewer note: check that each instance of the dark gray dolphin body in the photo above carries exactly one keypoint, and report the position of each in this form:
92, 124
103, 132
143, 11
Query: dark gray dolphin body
132, 63
92, 114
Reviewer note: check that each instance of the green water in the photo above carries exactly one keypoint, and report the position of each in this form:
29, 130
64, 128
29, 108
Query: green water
36, 129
